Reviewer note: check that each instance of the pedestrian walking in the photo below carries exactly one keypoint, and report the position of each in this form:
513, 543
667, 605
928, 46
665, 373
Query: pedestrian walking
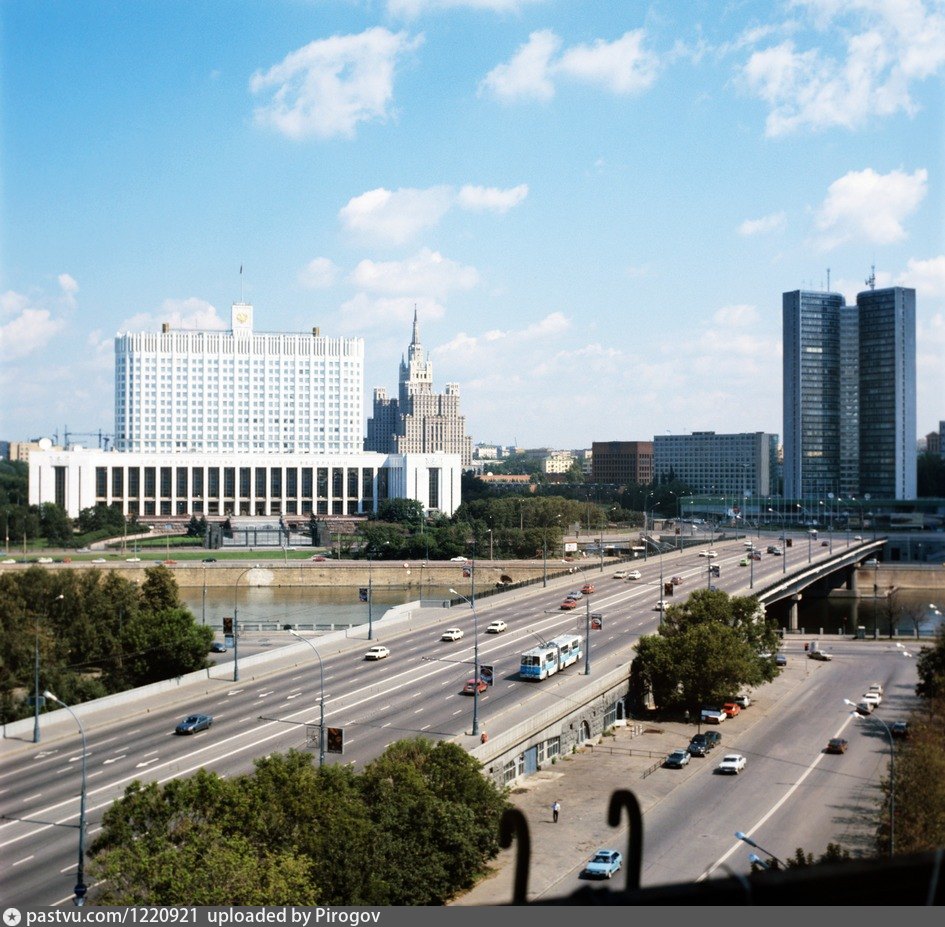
555, 808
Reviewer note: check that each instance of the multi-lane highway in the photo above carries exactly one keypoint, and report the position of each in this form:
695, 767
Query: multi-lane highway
415, 691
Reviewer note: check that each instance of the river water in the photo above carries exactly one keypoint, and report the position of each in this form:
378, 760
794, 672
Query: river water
264, 608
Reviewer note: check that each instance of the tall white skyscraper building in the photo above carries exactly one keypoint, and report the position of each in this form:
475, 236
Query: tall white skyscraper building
419, 420
849, 394
238, 391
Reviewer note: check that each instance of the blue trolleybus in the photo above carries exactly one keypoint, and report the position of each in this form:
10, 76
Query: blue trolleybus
544, 661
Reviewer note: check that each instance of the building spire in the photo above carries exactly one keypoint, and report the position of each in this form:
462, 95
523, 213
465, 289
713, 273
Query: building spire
416, 328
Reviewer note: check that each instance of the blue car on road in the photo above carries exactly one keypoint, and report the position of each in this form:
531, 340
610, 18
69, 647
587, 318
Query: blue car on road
604, 864
193, 723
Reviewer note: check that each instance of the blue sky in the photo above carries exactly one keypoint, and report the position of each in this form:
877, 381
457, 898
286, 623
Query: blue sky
594, 206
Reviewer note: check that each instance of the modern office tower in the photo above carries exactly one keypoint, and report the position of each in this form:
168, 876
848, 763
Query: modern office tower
735, 464
811, 345
622, 462
419, 420
887, 393
238, 391
849, 394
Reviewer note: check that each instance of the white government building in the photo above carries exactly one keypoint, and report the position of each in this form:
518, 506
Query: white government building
219, 423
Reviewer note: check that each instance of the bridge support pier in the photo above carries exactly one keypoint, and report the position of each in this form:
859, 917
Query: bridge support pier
851, 579
792, 614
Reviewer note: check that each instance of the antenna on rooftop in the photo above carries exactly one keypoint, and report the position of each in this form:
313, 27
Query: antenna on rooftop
828, 279
871, 279
241, 282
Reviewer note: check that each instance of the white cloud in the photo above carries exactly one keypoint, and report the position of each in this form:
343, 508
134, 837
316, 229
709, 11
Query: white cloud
623, 66
396, 216
68, 284
889, 45
28, 332
527, 75
427, 273
318, 274
491, 199
926, 277
869, 206
365, 314
189, 313
326, 88
410, 9
770, 223
737, 316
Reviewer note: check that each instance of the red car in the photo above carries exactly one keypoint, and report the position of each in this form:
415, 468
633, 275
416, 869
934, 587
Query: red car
568, 604
471, 684
588, 589
731, 709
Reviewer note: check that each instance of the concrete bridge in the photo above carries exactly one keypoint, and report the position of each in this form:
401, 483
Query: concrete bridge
840, 568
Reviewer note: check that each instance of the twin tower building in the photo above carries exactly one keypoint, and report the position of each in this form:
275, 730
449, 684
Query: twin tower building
245, 423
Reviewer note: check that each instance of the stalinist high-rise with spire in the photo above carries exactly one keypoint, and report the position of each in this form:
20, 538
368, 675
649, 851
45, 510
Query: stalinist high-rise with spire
419, 420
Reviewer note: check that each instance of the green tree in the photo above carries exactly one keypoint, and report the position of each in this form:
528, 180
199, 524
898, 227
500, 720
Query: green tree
163, 644
706, 650
930, 667
55, 525
159, 591
404, 511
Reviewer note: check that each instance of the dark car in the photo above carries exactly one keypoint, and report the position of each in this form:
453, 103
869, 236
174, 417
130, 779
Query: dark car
780, 660
899, 729
193, 723
836, 745
699, 745
209, 559
217, 647
677, 759
714, 738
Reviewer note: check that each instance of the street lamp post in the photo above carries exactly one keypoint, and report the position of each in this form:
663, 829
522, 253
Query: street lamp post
321, 697
36, 695
645, 524
80, 887
741, 835
236, 623
892, 774
476, 676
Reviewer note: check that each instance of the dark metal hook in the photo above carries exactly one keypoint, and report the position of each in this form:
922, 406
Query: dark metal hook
512, 825
624, 798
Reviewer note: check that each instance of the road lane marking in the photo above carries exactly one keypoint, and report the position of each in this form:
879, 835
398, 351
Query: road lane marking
25, 859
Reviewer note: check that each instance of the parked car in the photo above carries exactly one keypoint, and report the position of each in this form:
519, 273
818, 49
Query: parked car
780, 660
217, 647
713, 716
634, 574
732, 763
677, 759
318, 558
588, 589
474, 685
699, 745
836, 745
714, 738
452, 634
568, 604
457, 559
496, 627
194, 723
899, 729
603, 864
209, 560
377, 652
743, 701
732, 709
819, 655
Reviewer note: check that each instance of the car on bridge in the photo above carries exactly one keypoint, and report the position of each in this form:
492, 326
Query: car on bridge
634, 574
497, 627
732, 764
588, 589
218, 647
377, 652
836, 745
474, 686
603, 864
194, 723
452, 634
567, 605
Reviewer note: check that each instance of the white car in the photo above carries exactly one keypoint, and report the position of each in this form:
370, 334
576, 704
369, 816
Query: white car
634, 574
457, 559
874, 698
496, 627
707, 553
452, 634
620, 574
132, 560
733, 763
660, 606
377, 652
575, 596
743, 701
